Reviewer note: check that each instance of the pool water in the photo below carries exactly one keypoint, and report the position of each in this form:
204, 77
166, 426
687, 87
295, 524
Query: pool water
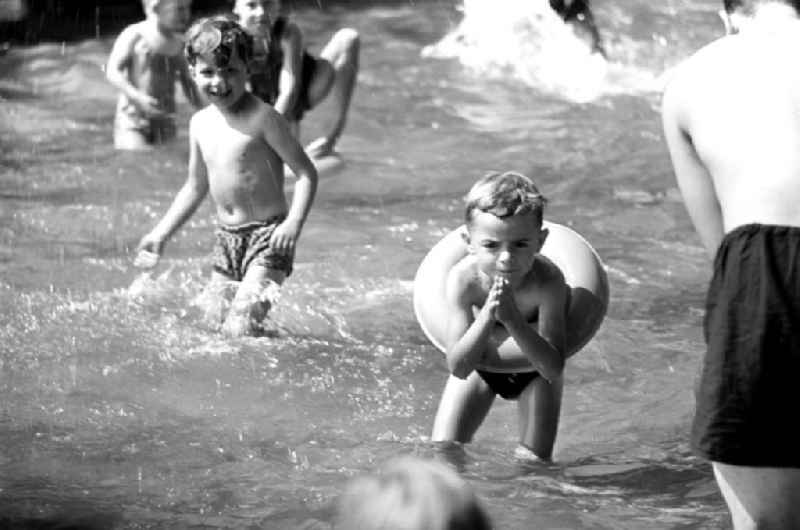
120, 408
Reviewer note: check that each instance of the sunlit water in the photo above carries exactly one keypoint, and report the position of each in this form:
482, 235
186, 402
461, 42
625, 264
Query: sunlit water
120, 409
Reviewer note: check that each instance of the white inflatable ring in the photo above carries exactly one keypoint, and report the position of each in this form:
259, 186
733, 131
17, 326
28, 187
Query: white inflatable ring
583, 271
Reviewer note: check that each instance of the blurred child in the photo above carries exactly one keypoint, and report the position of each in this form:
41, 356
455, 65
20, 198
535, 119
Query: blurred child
144, 64
411, 494
286, 76
238, 146
503, 281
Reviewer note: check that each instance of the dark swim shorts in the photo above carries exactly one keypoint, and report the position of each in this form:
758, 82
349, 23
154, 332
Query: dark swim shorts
508, 385
748, 390
241, 246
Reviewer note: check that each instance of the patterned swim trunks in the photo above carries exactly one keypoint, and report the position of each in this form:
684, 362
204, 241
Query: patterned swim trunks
239, 247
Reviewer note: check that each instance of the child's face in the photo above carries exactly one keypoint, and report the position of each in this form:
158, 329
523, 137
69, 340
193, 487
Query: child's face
174, 15
223, 84
505, 246
256, 16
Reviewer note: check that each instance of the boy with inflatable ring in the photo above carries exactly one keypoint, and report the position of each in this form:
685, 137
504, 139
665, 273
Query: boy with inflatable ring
504, 281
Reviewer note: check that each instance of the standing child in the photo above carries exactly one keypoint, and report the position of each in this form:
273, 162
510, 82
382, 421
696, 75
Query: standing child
285, 75
144, 64
238, 145
504, 281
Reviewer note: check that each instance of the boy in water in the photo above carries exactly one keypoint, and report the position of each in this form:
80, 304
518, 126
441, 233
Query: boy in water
146, 60
504, 282
238, 145
286, 76
731, 116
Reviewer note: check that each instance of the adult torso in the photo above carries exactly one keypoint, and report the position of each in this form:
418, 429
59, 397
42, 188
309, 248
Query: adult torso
742, 111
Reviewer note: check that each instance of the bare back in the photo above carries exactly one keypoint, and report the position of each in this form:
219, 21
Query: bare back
245, 174
738, 102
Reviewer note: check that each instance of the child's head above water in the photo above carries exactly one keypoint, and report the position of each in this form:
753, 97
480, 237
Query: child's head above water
256, 16
410, 493
505, 195
173, 15
216, 40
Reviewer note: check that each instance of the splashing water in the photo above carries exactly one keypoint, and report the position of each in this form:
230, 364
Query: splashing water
528, 41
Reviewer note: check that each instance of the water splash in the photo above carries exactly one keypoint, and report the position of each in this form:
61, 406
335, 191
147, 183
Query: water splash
526, 40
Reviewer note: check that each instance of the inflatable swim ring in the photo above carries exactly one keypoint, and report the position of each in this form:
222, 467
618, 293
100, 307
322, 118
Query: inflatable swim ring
583, 271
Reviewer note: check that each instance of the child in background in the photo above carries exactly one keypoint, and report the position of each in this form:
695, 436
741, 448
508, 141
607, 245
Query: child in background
411, 494
238, 147
503, 281
146, 60
286, 76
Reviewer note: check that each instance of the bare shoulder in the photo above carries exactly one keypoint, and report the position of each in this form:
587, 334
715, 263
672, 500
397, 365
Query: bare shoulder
205, 120
462, 280
699, 67
129, 36
545, 275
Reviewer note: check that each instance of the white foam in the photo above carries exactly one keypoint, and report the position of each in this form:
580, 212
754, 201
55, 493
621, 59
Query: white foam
527, 40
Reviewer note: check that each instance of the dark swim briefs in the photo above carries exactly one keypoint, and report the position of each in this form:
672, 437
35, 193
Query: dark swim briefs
241, 246
748, 391
508, 385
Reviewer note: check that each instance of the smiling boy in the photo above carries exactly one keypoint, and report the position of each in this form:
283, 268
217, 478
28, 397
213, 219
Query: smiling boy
238, 146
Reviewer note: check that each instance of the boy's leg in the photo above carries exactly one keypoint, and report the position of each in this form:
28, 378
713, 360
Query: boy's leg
462, 409
539, 408
253, 300
215, 299
337, 71
762, 498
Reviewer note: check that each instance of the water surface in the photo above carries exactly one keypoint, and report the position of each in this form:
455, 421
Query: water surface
122, 411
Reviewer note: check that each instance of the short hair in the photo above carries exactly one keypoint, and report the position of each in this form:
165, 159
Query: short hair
411, 493
748, 6
504, 195
218, 37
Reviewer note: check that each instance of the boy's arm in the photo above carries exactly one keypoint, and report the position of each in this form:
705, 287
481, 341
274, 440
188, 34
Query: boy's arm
117, 68
467, 335
186, 201
278, 135
545, 348
694, 181
289, 82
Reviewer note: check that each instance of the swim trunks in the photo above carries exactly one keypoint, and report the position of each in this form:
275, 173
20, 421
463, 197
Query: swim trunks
748, 390
241, 246
265, 71
508, 385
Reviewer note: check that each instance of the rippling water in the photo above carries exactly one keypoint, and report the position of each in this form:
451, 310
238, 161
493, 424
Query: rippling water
119, 409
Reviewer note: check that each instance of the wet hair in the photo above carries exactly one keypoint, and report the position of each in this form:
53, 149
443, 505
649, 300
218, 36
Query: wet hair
748, 6
411, 493
218, 37
504, 195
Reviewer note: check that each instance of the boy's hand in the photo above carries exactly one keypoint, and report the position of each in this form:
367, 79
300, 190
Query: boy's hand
148, 252
507, 310
149, 105
284, 238
489, 309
